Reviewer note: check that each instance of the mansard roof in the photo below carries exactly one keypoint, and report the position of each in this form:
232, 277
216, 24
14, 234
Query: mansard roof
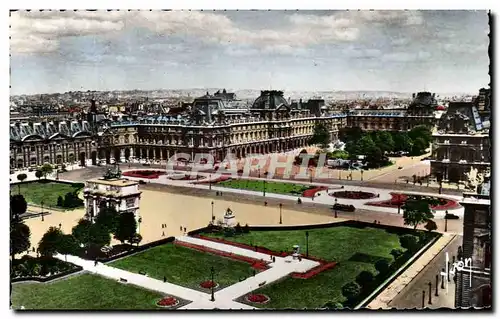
48, 130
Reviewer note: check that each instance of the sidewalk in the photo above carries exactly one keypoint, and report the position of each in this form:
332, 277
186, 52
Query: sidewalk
389, 294
282, 267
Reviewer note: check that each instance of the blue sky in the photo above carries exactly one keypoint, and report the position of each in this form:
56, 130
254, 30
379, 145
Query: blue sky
406, 51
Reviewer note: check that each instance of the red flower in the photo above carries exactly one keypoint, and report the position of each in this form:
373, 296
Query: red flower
167, 302
258, 298
207, 284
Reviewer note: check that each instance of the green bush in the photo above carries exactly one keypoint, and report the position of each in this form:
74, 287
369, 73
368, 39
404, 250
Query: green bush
351, 290
60, 201
409, 242
396, 253
382, 267
364, 278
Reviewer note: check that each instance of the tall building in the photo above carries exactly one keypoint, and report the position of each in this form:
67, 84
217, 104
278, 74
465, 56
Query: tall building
461, 145
473, 284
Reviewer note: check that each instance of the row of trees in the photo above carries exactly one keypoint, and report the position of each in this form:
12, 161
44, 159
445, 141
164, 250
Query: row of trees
415, 142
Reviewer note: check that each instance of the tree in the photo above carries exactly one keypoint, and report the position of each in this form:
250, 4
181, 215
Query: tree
127, 227
67, 245
81, 231
19, 238
347, 134
351, 290
383, 140
60, 201
364, 278
321, 135
409, 242
49, 245
18, 206
108, 217
352, 148
431, 225
366, 145
416, 211
21, 177
419, 146
402, 142
339, 155
99, 236
46, 169
421, 131
38, 174
382, 266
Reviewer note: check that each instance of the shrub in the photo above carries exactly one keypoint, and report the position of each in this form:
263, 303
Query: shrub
382, 267
351, 290
364, 278
60, 201
246, 229
396, 253
409, 242
431, 225
238, 229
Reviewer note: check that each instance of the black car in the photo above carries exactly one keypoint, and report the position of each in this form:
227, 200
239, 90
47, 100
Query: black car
344, 208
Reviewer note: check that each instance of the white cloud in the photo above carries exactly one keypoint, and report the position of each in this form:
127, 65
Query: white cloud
300, 31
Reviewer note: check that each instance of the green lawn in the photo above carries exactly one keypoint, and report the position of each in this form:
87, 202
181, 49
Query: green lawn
83, 292
184, 266
39, 191
354, 249
271, 187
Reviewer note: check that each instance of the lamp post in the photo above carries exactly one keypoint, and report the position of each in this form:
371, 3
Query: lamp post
307, 244
310, 175
281, 219
264, 188
258, 170
139, 221
212, 275
446, 221
430, 293
399, 203
361, 175
213, 212
42, 210
423, 299
437, 284
335, 208
210, 182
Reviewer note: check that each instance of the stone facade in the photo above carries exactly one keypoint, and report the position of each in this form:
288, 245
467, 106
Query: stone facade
461, 144
216, 124
473, 288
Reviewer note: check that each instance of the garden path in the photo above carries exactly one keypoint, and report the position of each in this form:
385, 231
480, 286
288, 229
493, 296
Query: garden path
321, 197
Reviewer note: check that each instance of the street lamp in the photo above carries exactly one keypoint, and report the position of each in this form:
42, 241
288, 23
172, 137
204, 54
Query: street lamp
446, 221
213, 217
399, 203
335, 208
258, 170
361, 175
210, 182
430, 293
264, 189
42, 210
307, 244
213, 283
281, 219
139, 221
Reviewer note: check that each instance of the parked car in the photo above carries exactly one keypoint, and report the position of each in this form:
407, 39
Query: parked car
400, 167
141, 182
344, 208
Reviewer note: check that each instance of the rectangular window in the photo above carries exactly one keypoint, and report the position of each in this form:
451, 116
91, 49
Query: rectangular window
130, 202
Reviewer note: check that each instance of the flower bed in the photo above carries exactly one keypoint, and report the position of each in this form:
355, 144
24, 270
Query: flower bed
353, 195
400, 199
167, 302
311, 192
208, 284
314, 271
149, 174
256, 264
257, 298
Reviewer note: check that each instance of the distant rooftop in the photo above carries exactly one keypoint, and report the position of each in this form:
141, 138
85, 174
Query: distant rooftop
113, 182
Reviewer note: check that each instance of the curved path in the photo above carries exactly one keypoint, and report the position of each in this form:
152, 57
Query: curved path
321, 197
